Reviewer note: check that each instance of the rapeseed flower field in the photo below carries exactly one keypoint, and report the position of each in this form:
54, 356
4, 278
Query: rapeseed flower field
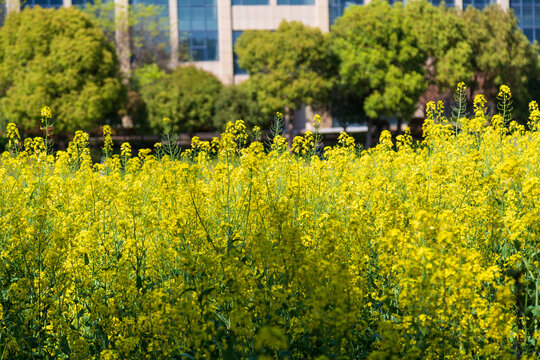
235, 250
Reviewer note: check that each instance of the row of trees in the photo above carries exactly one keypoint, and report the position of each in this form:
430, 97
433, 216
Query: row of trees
377, 61
382, 61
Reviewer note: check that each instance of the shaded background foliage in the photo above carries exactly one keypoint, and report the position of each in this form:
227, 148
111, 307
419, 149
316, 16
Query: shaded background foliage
185, 96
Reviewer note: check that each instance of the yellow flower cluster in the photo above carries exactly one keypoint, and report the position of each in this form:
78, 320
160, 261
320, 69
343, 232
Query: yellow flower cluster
46, 112
304, 145
107, 141
504, 91
14, 138
402, 251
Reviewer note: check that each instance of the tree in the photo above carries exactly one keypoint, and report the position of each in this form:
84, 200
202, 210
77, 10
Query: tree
441, 38
379, 60
148, 29
288, 67
58, 58
501, 55
186, 96
236, 103
390, 56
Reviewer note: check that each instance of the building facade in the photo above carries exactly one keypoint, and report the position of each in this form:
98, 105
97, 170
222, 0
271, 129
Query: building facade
208, 29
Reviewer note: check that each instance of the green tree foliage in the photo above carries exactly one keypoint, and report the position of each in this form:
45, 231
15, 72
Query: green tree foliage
236, 103
390, 55
146, 75
380, 59
148, 29
441, 39
186, 96
287, 67
58, 58
501, 55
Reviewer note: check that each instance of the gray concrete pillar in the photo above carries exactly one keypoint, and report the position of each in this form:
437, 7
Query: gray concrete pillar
67, 3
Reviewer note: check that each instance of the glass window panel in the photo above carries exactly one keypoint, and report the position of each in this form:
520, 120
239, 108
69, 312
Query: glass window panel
337, 7
537, 15
537, 34
296, 2
529, 34
197, 54
528, 19
517, 13
212, 47
81, 3
250, 2
237, 69
211, 24
198, 39
198, 21
184, 19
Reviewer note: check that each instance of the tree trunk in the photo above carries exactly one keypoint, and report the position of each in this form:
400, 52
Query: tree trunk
399, 125
369, 135
288, 125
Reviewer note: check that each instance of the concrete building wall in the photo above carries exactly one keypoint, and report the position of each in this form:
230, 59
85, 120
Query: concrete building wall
225, 28
268, 17
13, 6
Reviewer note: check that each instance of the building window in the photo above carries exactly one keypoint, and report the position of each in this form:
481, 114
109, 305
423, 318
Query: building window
43, 3
81, 3
528, 15
448, 3
250, 2
198, 27
296, 2
3, 14
150, 32
479, 4
237, 69
337, 7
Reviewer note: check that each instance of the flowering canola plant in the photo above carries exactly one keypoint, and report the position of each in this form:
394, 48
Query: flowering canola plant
403, 251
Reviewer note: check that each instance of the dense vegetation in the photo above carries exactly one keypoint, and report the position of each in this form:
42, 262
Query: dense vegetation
60, 58
377, 61
382, 61
408, 250
186, 96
